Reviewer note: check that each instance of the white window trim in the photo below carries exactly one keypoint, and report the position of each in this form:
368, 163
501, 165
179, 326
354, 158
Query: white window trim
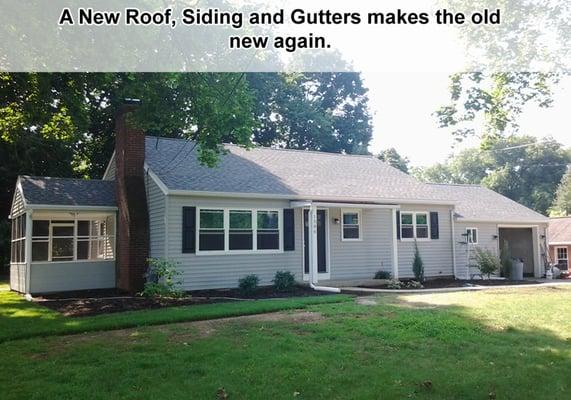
412, 239
468, 236
226, 225
557, 254
360, 225
72, 222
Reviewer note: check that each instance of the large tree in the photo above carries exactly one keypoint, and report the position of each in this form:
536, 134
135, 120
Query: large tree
522, 168
562, 204
393, 158
316, 111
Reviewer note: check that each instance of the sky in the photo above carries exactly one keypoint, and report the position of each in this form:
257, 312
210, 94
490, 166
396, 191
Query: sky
403, 103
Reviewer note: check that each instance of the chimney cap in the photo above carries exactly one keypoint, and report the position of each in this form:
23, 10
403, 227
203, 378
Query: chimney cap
131, 101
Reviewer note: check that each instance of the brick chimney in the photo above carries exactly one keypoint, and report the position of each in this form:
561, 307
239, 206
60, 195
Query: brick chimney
133, 219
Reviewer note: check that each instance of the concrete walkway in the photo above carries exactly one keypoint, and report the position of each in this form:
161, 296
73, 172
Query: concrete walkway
472, 287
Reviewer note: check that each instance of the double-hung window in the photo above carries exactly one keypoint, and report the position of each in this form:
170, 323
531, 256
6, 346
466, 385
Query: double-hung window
211, 233
414, 225
562, 257
241, 233
472, 235
351, 225
239, 230
268, 232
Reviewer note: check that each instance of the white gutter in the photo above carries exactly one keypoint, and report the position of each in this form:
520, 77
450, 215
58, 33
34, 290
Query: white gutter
70, 208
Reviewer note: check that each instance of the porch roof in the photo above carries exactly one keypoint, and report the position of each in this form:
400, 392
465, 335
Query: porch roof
67, 193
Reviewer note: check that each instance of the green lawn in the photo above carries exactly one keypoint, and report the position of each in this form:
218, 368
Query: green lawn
504, 344
20, 319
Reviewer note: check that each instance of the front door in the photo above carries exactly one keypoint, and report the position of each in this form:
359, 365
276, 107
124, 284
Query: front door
321, 241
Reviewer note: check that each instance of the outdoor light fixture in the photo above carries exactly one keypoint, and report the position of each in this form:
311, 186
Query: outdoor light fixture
336, 221
495, 236
542, 236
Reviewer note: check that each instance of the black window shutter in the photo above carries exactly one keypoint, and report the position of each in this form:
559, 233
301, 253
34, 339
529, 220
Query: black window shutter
434, 233
189, 229
289, 229
398, 225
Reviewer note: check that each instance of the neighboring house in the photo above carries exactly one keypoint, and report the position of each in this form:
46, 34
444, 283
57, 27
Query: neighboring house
559, 239
324, 217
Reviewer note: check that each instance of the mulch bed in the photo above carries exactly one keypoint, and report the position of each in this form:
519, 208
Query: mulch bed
94, 302
452, 283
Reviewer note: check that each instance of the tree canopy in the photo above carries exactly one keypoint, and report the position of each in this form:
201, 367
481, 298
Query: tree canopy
393, 158
562, 204
522, 168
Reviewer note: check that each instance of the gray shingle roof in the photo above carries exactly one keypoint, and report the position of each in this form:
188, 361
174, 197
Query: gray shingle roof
559, 230
68, 192
475, 202
299, 174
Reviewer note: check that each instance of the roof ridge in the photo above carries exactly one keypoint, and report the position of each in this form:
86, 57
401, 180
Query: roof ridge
260, 147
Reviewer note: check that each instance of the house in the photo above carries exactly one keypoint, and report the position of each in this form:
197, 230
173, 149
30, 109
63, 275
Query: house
559, 240
324, 217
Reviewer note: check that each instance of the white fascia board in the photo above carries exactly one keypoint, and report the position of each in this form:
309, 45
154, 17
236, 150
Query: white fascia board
70, 208
505, 224
559, 244
304, 198
357, 205
109, 165
157, 180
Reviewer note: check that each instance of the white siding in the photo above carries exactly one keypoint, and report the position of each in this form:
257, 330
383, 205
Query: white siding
486, 240
110, 172
65, 276
18, 277
223, 271
17, 204
361, 259
156, 201
436, 253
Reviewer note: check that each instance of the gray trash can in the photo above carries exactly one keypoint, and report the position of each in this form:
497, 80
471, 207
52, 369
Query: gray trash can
517, 270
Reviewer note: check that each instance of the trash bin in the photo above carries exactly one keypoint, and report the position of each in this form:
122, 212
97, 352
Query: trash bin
517, 269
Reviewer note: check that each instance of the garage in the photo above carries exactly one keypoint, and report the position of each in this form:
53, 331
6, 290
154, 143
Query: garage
519, 241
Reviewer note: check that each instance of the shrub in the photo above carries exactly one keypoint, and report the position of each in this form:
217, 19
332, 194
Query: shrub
487, 262
283, 281
417, 265
414, 285
506, 260
382, 275
394, 284
162, 279
248, 284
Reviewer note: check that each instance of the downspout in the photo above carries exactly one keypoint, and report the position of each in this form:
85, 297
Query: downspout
312, 239
395, 246
453, 243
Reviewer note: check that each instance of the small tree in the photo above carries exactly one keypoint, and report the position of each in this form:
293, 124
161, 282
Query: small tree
418, 265
487, 262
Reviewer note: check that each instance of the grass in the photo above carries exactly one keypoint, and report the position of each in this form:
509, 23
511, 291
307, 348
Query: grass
504, 344
20, 319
